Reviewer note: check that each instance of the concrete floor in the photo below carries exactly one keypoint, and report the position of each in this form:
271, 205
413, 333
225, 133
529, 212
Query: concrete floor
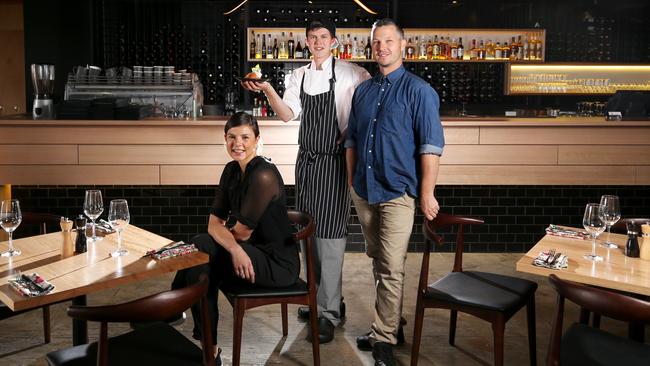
21, 337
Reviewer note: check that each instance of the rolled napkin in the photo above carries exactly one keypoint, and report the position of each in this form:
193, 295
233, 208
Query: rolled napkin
566, 232
31, 285
170, 250
551, 260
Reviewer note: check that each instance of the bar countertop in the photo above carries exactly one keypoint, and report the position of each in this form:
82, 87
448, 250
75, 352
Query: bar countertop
478, 151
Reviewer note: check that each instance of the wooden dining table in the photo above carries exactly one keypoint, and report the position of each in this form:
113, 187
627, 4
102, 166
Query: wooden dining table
616, 271
76, 275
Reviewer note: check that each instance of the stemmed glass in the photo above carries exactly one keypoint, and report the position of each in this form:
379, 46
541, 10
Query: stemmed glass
10, 218
118, 217
595, 226
93, 208
610, 212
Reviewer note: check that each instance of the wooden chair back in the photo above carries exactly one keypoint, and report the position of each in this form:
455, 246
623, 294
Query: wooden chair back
156, 307
611, 304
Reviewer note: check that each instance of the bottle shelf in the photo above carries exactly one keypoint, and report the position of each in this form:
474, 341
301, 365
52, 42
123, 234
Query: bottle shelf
432, 41
275, 60
575, 79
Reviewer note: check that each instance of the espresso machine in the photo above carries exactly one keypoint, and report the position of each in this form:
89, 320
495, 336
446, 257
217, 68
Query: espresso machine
43, 81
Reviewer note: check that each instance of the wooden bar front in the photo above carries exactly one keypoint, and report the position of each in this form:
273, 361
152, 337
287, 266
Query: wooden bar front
488, 151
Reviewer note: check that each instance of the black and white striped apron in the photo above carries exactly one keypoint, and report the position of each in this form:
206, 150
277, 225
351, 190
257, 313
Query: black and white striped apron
321, 185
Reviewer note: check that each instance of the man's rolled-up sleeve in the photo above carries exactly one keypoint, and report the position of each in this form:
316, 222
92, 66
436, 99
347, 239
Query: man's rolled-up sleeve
428, 128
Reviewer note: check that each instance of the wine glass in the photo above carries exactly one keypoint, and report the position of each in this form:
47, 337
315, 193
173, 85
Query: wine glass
595, 226
610, 212
118, 216
93, 208
10, 218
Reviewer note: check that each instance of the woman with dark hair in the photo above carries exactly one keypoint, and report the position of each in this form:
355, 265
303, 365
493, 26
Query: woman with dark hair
249, 234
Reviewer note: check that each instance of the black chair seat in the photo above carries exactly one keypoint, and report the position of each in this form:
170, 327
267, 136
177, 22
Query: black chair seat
155, 344
297, 289
585, 345
484, 290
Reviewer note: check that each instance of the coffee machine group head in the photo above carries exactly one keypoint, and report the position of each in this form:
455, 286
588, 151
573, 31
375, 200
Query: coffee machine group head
43, 81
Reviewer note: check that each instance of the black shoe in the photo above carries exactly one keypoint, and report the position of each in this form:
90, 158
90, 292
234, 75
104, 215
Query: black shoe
363, 341
303, 311
325, 331
217, 360
383, 354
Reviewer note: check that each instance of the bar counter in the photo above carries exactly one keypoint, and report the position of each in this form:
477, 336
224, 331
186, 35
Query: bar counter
478, 151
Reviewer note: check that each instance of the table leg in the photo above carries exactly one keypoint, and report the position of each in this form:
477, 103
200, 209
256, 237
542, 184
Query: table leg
79, 327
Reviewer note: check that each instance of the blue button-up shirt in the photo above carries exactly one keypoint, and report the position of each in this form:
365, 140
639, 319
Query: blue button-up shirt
394, 119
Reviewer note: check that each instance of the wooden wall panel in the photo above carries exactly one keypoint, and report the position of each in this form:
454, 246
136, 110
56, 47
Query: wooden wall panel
604, 155
461, 135
78, 174
519, 135
499, 155
533, 175
38, 154
643, 175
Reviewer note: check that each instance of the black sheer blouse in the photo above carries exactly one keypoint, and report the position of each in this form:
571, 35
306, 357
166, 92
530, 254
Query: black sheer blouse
258, 200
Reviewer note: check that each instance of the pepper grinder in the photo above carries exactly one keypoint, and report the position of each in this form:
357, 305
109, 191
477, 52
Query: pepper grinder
66, 231
645, 240
80, 245
632, 246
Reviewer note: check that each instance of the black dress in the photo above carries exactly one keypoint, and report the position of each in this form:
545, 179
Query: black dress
256, 199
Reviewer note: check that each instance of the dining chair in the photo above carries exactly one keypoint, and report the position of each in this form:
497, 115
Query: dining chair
621, 225
42, 220
585, 345
157, 343
302, 293
489, 296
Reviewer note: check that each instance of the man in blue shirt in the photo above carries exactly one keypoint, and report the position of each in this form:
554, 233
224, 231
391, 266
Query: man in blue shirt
393, 149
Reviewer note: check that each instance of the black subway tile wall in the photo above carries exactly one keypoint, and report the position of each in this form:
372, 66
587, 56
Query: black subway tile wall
515, 216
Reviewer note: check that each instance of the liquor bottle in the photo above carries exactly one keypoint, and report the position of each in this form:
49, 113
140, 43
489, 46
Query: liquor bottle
410, 50
498, 52
538, 50
454, 49
513, 49
283, 53
505, 51
368, 50
255, 105
253, 47
520, 48
473, 52
264, 109
481, 51
292, 46
490, 50
526, 50
429, 49
444, 48
355, 49
264, 50
258, 47
461, 49
298, 53
348, 48
422, 55
435, 48
306, 53
341, 48
269, 47
362, 49
276, 50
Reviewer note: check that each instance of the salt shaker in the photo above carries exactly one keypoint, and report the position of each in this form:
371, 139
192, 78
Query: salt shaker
632, 246
80, 245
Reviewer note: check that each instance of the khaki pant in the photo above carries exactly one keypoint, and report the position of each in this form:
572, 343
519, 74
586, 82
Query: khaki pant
387, 229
